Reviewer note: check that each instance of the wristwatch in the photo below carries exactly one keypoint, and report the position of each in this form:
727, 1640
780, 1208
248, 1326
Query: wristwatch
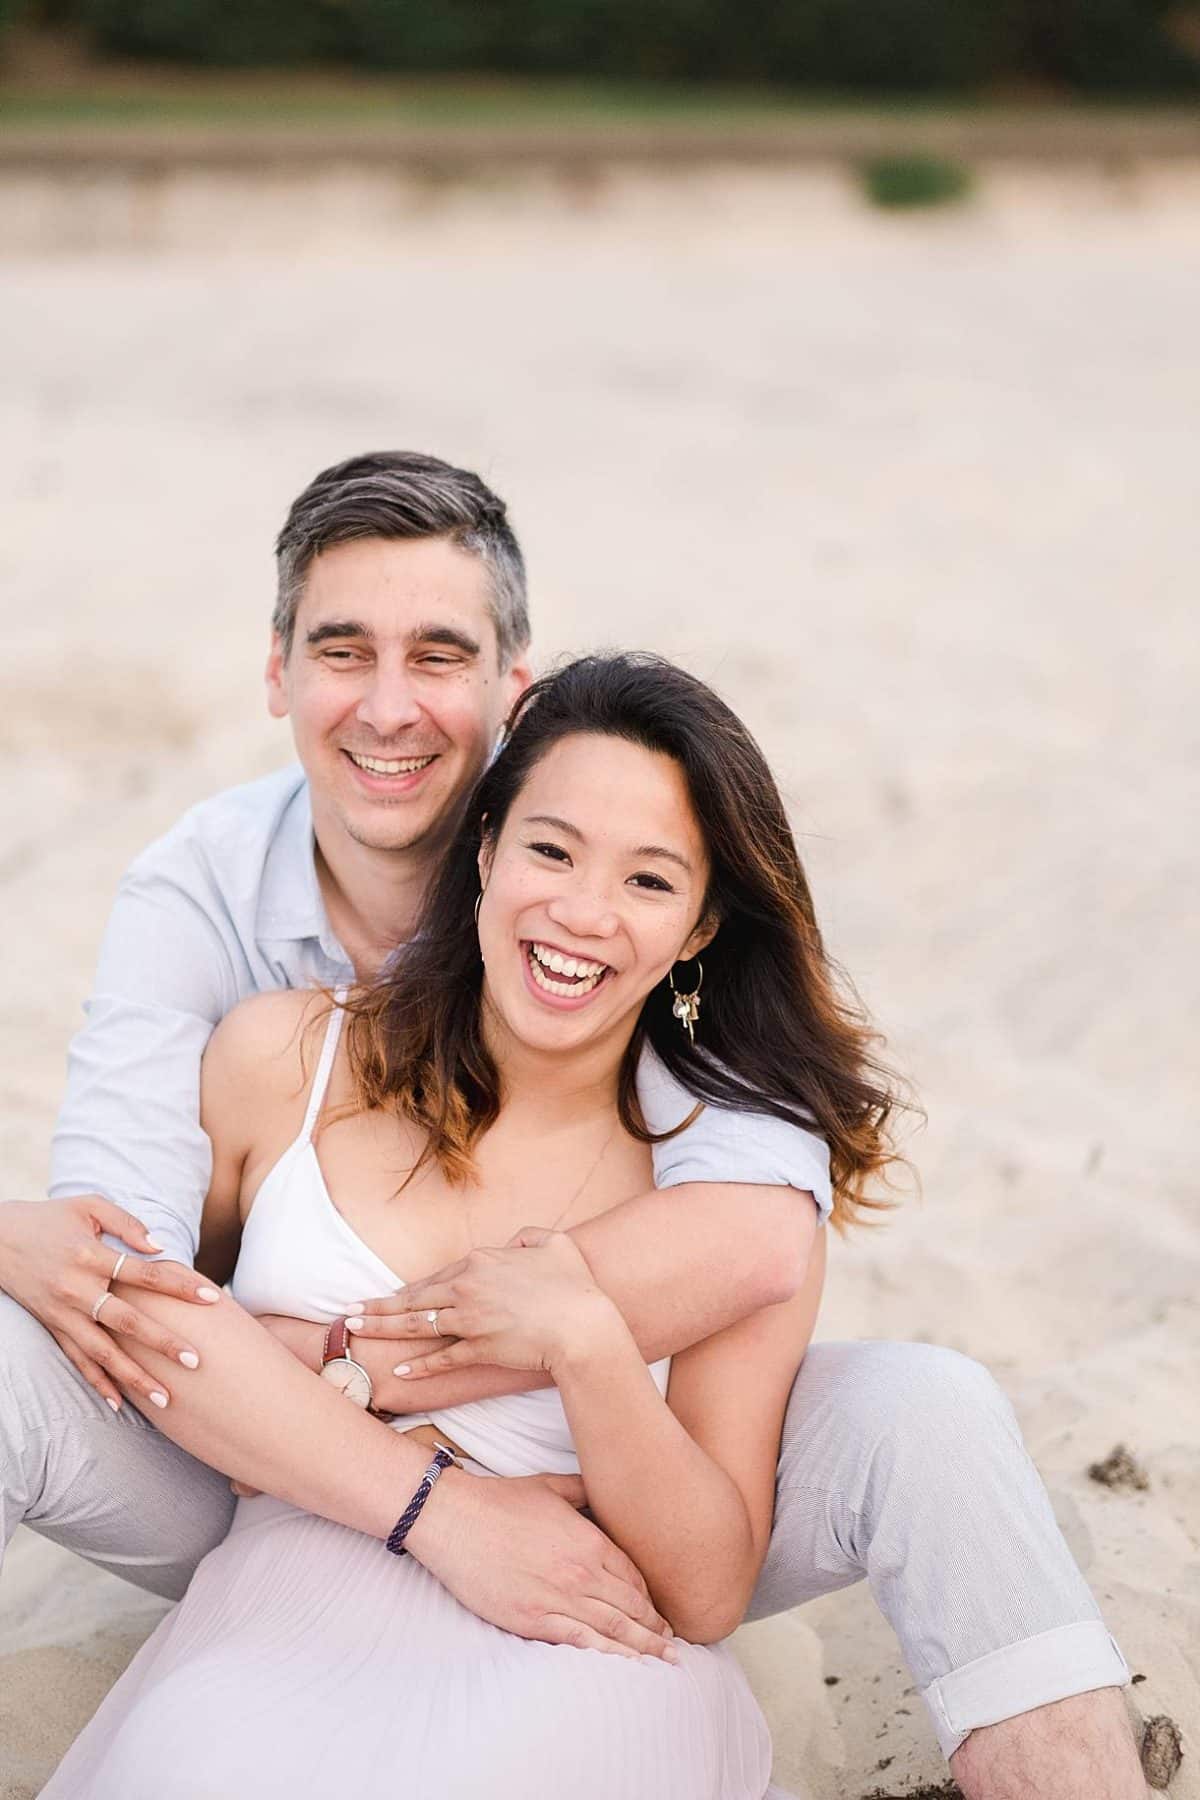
339, 1367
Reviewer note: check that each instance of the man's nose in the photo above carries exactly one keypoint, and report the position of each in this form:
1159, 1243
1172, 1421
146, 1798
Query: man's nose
390, 703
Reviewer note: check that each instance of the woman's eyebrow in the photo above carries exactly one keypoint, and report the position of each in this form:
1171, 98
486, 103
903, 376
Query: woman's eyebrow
562, 825
565, 826
660, 850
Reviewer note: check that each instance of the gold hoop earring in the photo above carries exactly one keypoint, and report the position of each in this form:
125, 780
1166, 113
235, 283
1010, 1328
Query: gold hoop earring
686, 1007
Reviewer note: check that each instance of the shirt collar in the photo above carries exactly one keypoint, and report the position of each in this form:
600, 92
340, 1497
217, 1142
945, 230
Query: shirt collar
290, 907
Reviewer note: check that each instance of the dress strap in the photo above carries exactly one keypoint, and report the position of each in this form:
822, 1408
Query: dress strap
333, 1032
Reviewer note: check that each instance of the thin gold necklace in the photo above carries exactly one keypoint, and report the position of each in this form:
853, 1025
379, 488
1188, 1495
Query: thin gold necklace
603, 1152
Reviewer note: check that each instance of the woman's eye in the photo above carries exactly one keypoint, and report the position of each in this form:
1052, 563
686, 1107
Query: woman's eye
554, 851
654, 882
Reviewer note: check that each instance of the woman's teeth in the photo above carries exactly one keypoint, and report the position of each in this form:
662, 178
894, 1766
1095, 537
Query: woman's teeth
375, 765
580, 976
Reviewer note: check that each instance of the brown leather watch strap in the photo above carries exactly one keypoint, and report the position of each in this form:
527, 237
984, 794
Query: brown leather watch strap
336, 1342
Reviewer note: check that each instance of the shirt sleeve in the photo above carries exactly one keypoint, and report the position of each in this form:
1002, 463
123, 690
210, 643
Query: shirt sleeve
129, 1126
724, 1144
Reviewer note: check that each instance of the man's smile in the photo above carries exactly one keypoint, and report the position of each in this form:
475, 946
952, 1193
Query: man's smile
389, 776
377, 765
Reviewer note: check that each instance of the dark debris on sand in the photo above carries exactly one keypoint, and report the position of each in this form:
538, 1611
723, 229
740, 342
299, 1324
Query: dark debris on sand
947, 1791
1162, 1751
1120, 1469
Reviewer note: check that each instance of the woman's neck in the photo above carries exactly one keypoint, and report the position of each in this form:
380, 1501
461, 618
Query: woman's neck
548, 1086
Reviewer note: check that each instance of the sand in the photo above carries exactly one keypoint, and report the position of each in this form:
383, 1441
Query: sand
919, 495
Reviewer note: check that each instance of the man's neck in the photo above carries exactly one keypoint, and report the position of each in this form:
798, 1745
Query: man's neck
372, 897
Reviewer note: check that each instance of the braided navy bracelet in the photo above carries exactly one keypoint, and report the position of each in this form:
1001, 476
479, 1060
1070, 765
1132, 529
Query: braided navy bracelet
442, 1459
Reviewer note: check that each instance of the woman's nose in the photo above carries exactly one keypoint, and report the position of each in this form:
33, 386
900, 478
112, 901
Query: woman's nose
584, 913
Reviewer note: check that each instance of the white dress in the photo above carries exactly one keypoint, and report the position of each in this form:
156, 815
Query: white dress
306, 1660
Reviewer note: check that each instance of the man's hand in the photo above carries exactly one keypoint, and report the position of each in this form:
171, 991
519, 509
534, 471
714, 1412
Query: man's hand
517, 1553
52, 1261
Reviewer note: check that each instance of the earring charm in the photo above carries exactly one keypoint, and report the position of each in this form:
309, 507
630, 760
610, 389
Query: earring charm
686, 1007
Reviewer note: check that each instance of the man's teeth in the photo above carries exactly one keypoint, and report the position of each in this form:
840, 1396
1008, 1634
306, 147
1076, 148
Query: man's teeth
374, 765
582, 976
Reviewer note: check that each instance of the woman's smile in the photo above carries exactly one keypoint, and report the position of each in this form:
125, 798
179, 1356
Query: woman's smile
559, 978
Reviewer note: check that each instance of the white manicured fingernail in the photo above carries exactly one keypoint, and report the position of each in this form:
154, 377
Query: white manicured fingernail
151, 1245
355, 1324
158, 1397
402, 1369
189, 1359
208, 1295
115, 1404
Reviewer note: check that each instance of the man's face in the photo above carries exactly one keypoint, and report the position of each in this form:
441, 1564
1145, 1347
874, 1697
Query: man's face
393, 687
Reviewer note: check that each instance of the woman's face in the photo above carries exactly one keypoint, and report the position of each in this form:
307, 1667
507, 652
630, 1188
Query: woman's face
592, 891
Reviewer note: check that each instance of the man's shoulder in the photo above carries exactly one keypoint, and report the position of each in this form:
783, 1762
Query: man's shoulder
227, 835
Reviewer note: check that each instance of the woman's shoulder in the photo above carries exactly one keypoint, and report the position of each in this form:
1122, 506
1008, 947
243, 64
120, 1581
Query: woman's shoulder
269, 1037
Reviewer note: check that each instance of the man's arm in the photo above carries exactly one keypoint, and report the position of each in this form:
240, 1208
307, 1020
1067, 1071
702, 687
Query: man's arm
728, 1229
680, 1263
129, 1124
130, 1164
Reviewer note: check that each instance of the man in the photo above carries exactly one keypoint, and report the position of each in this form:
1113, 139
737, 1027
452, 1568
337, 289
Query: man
399, 642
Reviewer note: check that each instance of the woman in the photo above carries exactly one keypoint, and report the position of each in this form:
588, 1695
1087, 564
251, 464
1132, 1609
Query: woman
625, 875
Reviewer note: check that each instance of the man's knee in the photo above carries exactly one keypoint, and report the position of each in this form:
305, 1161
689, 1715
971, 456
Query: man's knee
923, 1396
32, 1367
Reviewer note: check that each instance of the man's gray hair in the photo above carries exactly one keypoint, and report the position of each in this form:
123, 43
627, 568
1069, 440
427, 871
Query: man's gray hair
401, 494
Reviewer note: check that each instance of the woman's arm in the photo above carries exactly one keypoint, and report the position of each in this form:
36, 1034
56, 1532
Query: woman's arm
687, 1486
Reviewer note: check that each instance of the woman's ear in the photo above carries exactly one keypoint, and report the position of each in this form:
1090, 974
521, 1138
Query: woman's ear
483, 862
701, 938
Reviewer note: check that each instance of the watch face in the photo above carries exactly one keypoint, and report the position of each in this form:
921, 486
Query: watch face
349, 1378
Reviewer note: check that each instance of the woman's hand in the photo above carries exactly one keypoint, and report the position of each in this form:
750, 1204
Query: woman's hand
525, 1306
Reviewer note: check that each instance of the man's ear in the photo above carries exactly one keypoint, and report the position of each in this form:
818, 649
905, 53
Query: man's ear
277, 699
516, 678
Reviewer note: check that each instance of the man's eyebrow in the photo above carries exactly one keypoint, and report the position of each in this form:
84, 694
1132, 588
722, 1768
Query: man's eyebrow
450, 635
338, 628
565, 826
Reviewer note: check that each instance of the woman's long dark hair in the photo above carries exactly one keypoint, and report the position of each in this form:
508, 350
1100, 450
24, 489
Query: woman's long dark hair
778, 1034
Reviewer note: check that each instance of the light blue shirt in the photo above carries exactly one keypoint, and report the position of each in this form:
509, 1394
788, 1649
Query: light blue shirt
227, 905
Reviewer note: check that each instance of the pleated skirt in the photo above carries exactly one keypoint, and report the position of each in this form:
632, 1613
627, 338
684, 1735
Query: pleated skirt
305, 1660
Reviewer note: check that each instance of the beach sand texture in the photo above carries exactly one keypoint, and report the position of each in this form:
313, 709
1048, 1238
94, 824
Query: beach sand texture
919, 496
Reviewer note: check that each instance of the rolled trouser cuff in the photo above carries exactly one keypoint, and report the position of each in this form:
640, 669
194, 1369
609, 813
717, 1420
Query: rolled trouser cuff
1071, 1659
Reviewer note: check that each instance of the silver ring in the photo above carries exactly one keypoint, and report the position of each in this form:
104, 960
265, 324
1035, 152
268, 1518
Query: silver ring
122, 1259
433, 1317
98, 1302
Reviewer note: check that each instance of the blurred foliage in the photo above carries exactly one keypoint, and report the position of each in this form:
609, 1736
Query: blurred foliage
898, 46
914, 180
1115, 46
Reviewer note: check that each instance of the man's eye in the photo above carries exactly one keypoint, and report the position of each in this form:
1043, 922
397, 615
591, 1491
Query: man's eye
443, 662
555, 852
340, 656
